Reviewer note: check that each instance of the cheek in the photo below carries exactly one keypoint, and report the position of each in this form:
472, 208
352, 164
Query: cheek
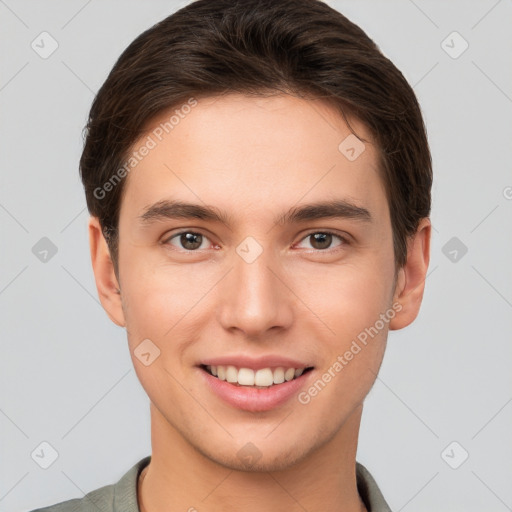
151, 299
160, 300
351, 306
158, 307
348, 297
361, 301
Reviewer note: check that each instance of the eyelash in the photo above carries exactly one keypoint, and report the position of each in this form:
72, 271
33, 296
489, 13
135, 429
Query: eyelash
343, 239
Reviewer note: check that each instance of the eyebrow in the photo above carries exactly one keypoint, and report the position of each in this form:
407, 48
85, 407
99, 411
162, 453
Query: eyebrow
170, 209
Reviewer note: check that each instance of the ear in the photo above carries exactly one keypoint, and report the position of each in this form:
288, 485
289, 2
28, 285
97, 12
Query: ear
410, 282
103, 268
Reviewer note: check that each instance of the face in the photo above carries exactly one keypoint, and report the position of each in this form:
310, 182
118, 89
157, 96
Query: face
256, 280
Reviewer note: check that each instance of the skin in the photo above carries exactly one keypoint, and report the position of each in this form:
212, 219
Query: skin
255, 158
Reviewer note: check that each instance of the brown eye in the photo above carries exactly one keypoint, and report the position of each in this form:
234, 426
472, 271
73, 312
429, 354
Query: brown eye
188, 240
191, 241
321, 240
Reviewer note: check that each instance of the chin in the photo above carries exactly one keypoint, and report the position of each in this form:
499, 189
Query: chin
252, 460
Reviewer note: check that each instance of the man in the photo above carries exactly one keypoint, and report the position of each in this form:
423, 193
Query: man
258, 178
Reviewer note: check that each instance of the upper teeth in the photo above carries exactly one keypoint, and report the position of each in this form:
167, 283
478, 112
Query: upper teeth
248, 377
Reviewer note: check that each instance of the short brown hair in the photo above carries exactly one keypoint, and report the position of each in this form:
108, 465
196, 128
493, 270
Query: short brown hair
259, 47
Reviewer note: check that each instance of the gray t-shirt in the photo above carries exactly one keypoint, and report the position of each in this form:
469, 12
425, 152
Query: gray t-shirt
122, 496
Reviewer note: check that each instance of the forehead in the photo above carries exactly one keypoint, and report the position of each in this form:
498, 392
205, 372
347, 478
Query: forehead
248, 153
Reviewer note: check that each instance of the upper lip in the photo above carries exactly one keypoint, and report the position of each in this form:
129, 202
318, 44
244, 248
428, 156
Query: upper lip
255, 363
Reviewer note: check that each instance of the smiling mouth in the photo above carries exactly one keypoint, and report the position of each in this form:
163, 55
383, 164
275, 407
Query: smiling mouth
263, 378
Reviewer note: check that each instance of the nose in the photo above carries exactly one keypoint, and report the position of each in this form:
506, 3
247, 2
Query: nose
254, 298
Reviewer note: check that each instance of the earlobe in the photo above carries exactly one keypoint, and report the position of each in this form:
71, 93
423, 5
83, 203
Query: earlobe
411, 277
104, 275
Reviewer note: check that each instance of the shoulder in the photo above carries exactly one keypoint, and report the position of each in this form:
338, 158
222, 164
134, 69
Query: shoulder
118, 497
369, 490
99, 499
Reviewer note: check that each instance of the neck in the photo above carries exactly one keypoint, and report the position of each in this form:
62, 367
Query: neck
180, 478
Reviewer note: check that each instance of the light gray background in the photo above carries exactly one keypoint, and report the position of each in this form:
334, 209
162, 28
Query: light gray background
66, 374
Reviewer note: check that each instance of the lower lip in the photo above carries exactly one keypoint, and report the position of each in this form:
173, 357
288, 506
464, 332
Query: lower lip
254, 399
